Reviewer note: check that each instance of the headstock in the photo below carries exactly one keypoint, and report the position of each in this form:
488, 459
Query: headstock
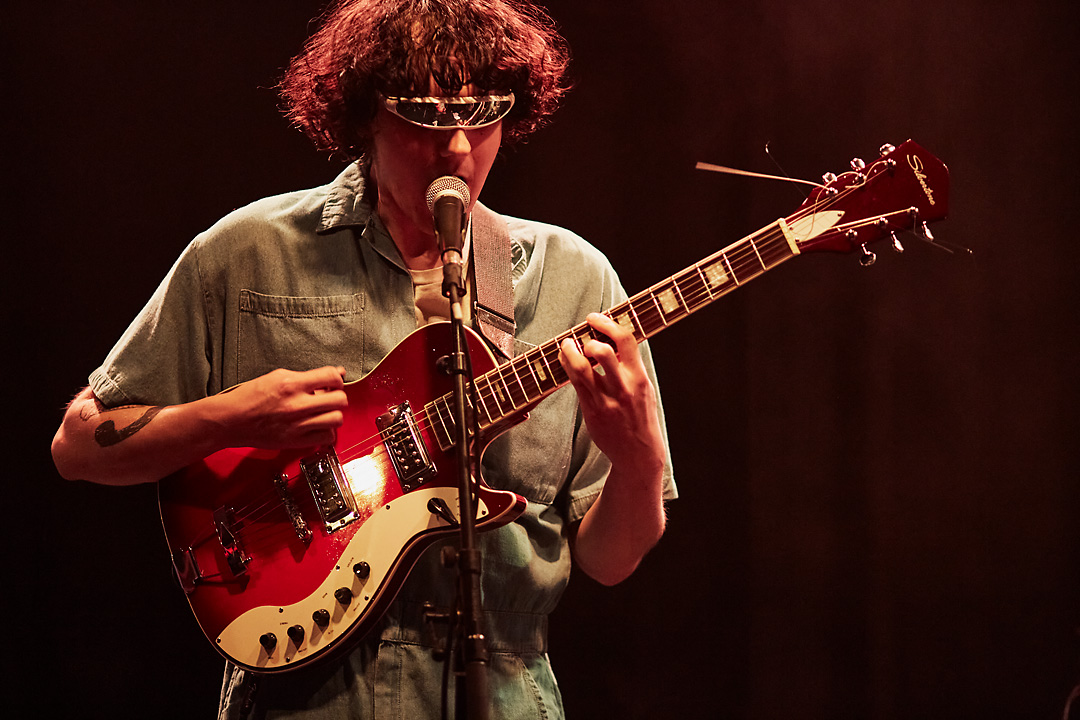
905, 188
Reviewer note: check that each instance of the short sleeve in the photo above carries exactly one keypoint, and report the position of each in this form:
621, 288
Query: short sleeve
163, 356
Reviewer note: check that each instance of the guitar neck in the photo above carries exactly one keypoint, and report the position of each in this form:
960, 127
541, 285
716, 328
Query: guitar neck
505, 394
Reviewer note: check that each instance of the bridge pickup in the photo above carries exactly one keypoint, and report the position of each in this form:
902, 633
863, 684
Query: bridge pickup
225, 527
405, 447
330, 488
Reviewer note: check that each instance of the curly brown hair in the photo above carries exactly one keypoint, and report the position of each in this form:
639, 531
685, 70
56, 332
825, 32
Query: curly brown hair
367, 48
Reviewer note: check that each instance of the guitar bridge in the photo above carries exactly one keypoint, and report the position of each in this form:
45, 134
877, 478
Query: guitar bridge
406, 448
331, 490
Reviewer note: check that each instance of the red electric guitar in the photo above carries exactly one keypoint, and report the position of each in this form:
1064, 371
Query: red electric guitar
287, 556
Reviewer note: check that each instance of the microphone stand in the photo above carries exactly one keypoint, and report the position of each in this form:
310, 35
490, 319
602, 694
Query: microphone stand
473, 645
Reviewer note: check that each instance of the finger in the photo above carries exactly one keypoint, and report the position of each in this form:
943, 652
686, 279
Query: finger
324, 378
325, 401
577, 366
604, 355
323, 421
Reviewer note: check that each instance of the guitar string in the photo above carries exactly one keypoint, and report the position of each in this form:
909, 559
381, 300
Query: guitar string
741, 256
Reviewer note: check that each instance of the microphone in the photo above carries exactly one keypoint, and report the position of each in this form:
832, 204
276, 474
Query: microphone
447, 199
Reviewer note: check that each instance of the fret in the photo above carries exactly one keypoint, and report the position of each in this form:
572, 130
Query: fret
496, 394
779, 248
625, 318
481, 401
682, 298
547, 365
451, 424
503, 392
445, 422
507, 387
540, 371
637, 321
569, 335
705, 282
516, 385
580, 335
659, 309
746, 265
644, 311
669, 301
534, 393
518, 375
750, 240
731, 271
432, 409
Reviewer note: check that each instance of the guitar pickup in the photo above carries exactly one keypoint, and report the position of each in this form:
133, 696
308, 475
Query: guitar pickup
225, 527
330, 488
406, 448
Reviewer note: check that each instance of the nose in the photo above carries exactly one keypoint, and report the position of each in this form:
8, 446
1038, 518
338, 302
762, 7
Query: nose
457, 144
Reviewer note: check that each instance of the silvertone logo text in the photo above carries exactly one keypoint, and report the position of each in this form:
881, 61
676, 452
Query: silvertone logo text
916, 164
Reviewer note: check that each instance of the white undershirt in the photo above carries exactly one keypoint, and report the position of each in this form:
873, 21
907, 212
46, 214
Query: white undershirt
429, 305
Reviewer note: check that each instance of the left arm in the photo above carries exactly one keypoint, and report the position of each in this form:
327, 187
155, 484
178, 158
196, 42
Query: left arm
618, 402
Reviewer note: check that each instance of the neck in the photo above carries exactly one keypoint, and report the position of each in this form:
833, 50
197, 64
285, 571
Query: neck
417, 245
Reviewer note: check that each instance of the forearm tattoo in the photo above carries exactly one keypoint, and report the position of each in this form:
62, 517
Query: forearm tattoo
106, 433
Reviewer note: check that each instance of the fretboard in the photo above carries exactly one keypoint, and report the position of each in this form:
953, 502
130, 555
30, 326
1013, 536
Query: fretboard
506, 393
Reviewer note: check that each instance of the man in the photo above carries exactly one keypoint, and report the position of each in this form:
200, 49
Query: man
283, 301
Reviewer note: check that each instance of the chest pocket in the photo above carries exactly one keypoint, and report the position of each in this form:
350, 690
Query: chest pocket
298, 333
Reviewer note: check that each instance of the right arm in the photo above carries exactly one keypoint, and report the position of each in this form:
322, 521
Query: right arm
141, 443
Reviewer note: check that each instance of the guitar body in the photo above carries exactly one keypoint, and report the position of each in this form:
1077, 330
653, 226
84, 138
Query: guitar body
277, 569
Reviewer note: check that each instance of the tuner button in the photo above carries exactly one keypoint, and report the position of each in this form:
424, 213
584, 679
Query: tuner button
343, 595
829, 177
321, 618
296, 634
362, 570
896, 243
268, 641
867, 258
886, 149
858, 165
926, 232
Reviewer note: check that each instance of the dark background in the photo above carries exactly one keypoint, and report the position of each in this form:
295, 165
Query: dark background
878, 467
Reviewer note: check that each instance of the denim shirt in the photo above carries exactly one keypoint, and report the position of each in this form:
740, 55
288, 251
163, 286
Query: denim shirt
312, 278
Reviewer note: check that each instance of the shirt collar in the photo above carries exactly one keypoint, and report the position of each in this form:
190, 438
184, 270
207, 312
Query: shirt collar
345, 204
347, 207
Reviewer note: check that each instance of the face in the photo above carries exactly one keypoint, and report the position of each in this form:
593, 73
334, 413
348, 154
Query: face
406, 158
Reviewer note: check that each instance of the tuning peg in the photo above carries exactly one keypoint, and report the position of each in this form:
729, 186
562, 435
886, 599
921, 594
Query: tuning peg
926, 232
896, 243
828, 178
886, 149
858, 165
867, 258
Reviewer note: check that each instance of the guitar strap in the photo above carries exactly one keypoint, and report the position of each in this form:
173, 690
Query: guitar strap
493, 288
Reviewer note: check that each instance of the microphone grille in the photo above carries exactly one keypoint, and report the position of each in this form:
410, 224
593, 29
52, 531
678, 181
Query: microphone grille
447, 185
